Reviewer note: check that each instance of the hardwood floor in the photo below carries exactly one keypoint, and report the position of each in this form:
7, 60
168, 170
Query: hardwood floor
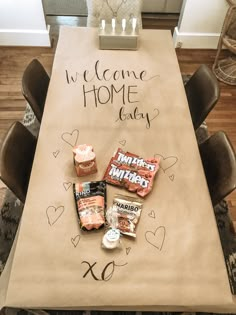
13, 61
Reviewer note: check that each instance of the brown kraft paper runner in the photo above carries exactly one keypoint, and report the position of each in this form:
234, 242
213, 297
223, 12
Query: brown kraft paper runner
134, 100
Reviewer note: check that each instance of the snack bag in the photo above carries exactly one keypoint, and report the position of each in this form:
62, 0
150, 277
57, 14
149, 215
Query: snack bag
128, 170
127, 211
90, 198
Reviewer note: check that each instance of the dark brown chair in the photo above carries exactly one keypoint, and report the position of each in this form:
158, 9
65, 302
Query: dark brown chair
219, 163
16, 159
203, 92
35, 83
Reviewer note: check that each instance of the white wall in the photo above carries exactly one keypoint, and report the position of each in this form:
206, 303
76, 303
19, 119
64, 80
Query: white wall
200, 23
22, 23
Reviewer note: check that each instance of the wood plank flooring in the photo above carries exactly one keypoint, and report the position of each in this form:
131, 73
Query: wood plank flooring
13, 61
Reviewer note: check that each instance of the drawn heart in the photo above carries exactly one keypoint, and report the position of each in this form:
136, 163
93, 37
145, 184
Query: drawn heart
75, 240
166, 162
71, 138
128, 250
172, 177
123, 142
67, 185
156, 238
54, 214
55, 154
152, 214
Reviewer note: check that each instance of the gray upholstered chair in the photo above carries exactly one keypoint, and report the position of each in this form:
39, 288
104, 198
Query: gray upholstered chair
219, 163
203, 92
16, 159
35, 83
119, 9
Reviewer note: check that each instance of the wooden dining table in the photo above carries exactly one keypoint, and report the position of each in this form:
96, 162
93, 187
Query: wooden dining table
110, 99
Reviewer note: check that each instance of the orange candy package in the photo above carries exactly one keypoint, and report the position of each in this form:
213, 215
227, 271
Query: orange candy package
90, 198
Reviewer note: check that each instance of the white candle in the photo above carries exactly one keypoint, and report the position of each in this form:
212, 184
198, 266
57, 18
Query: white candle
123, 24
103, 24
113, 24
134, 23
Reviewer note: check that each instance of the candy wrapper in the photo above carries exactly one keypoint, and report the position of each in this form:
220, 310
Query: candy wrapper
132, 172
84, 160
124, 214
121, 218
90, 198
134, 161
128, 211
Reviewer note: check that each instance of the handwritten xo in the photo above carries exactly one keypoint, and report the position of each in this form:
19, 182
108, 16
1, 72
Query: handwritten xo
104, 274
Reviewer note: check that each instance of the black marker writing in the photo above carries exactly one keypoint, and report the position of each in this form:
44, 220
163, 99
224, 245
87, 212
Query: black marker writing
103, 94
106, 273
123, 88
71, 79
136, 115
90, 269
108, 75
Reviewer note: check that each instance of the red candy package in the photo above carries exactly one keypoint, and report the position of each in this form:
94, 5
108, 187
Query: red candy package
134, 161
132, 172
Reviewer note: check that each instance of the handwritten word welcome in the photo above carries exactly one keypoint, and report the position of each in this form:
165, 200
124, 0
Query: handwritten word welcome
104, 94
108, 75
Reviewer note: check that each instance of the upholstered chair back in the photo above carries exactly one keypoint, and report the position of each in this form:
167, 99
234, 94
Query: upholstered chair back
108, 9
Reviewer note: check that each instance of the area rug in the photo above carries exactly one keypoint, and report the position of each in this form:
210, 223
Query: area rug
11, 211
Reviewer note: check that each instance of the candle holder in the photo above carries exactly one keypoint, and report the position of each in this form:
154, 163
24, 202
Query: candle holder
118, 36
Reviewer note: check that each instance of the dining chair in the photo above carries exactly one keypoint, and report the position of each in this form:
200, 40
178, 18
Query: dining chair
35, 83
118, 9
16, 159
219, 163
203, 92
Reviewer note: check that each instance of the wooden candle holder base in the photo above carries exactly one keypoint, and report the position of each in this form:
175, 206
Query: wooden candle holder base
110, 38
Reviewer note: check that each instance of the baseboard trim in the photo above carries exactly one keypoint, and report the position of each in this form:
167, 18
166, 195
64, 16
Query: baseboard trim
195, 40
160, 16
14, 37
